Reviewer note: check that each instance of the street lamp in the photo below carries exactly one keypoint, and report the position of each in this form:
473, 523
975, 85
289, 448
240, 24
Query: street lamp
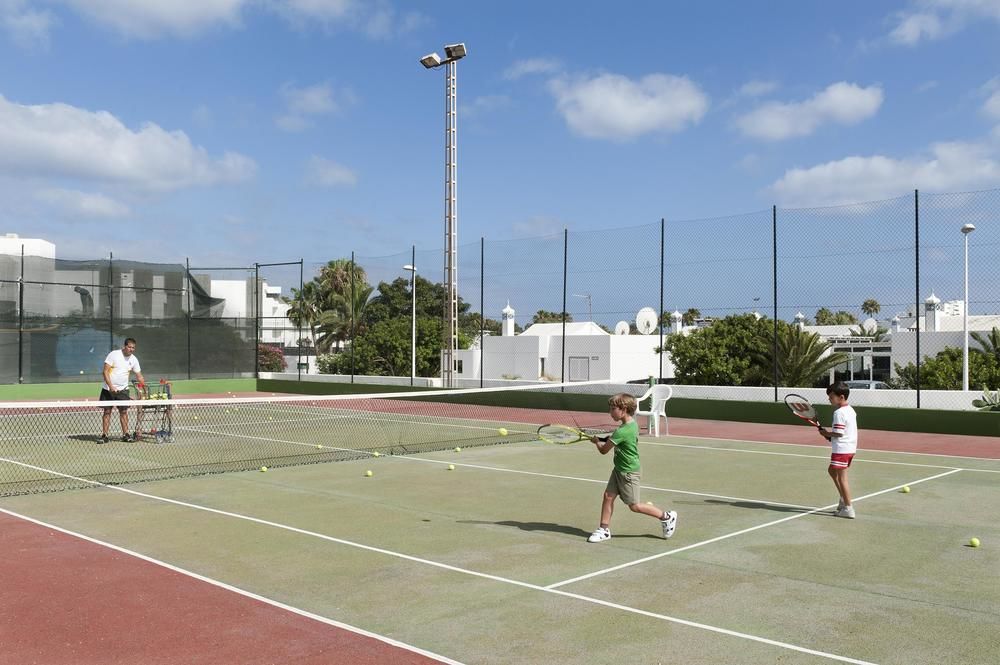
966, 230
453, 53
413, 316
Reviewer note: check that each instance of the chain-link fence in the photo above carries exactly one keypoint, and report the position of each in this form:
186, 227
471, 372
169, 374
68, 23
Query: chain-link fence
881, 282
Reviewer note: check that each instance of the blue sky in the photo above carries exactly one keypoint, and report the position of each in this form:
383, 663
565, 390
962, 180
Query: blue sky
233, 131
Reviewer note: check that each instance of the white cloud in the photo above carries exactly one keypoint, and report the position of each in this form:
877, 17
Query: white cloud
28, 28
947, 167
326, 173
83, 204
927, 86
936, 19
62, 141
757, 88
842, 103
302, 104
992, 106
146, 19
611, 106
531, 66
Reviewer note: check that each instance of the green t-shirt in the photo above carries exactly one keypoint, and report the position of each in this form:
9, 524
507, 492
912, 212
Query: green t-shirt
626, 440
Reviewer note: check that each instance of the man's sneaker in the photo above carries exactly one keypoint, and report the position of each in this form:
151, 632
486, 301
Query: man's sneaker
127, 438
846, 511
102, 439
669, 525
600, 533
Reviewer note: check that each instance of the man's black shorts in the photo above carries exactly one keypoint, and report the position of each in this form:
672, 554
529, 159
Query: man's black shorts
109, 396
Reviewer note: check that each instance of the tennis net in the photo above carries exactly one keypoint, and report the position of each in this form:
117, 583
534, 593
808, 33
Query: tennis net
50, 446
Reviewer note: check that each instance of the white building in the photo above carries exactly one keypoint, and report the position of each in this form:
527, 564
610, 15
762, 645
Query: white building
591, 353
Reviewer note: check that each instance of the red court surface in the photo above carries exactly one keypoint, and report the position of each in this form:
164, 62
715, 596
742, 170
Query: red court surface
65, 600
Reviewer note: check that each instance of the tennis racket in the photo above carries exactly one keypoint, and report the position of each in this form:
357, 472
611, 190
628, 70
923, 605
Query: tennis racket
802, 408
563, 434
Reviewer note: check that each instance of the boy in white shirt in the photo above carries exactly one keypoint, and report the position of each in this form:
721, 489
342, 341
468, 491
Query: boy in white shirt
117, 367
843, 438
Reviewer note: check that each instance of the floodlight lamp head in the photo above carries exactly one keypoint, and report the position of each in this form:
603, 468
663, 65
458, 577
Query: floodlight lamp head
431, 60
968, 228
455, 51
410, 268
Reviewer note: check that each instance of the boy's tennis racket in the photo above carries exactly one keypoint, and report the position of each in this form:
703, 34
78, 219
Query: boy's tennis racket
563, 434
801, 407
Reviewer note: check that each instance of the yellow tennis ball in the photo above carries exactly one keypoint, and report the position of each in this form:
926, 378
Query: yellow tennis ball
457, 449
319, 445
451, 467
81, 371
974, 542
906, 489
368, 473
263, 469
502, 431
376, 454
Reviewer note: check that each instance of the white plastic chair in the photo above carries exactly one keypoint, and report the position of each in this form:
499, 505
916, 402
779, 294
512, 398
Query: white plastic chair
658, 395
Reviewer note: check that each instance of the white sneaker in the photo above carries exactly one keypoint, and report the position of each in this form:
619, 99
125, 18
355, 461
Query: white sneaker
840, 506
600, 533
846, 511
669, 525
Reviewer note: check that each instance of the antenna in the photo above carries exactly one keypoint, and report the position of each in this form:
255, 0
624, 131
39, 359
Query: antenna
590, 311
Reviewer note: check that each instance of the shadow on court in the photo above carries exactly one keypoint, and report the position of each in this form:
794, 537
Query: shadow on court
759, 505
553, 528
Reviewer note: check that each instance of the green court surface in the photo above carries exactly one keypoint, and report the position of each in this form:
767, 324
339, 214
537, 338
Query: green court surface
488, 563
91, 390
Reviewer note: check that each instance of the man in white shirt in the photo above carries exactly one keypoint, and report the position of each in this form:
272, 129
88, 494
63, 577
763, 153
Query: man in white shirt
117, 367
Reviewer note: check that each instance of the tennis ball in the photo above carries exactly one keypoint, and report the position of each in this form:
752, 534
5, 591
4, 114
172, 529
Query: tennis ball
368, 473
974, 542
81, 371
451, 467
376, 454
263, 469
502, 431
319, 445
906, 489
457, 449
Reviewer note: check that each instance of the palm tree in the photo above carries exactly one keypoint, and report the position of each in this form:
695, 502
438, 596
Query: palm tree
688, 317
801, 359
871, 307
341, 318
335, 277
304, 307
990, 343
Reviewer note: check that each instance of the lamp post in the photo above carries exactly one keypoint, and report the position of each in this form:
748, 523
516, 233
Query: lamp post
453, 53
413, 315
966, 230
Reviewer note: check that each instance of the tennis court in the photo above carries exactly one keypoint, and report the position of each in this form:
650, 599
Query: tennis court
488, 562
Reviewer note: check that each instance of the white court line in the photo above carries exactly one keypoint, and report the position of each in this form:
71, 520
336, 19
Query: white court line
435, 564
242, 592
860, 460
739, 533
874, 450
603, 482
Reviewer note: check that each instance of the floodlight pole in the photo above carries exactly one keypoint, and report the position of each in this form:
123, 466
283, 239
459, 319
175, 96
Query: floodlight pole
966, 230
453, 53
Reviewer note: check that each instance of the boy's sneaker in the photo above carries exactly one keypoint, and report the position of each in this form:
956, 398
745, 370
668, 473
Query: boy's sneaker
600, 533
669, 525
846, 511
102, 439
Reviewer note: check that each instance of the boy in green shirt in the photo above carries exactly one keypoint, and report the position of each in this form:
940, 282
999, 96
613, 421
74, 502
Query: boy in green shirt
625, 477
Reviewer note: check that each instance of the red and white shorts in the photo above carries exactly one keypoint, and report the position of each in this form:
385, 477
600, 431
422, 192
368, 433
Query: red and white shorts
841, 460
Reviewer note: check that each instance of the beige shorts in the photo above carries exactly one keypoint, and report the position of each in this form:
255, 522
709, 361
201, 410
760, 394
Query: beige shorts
625, 485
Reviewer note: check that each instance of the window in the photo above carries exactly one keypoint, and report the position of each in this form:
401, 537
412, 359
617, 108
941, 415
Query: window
458, 366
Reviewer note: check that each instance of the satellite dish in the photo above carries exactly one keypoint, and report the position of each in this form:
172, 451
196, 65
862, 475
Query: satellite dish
645, 320
621, 328
869, 326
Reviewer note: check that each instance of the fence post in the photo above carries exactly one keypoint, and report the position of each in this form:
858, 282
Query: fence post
187, 281
916, 257
562, 377
20, 322
482, 308
774, 284
353, 298
660, 317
